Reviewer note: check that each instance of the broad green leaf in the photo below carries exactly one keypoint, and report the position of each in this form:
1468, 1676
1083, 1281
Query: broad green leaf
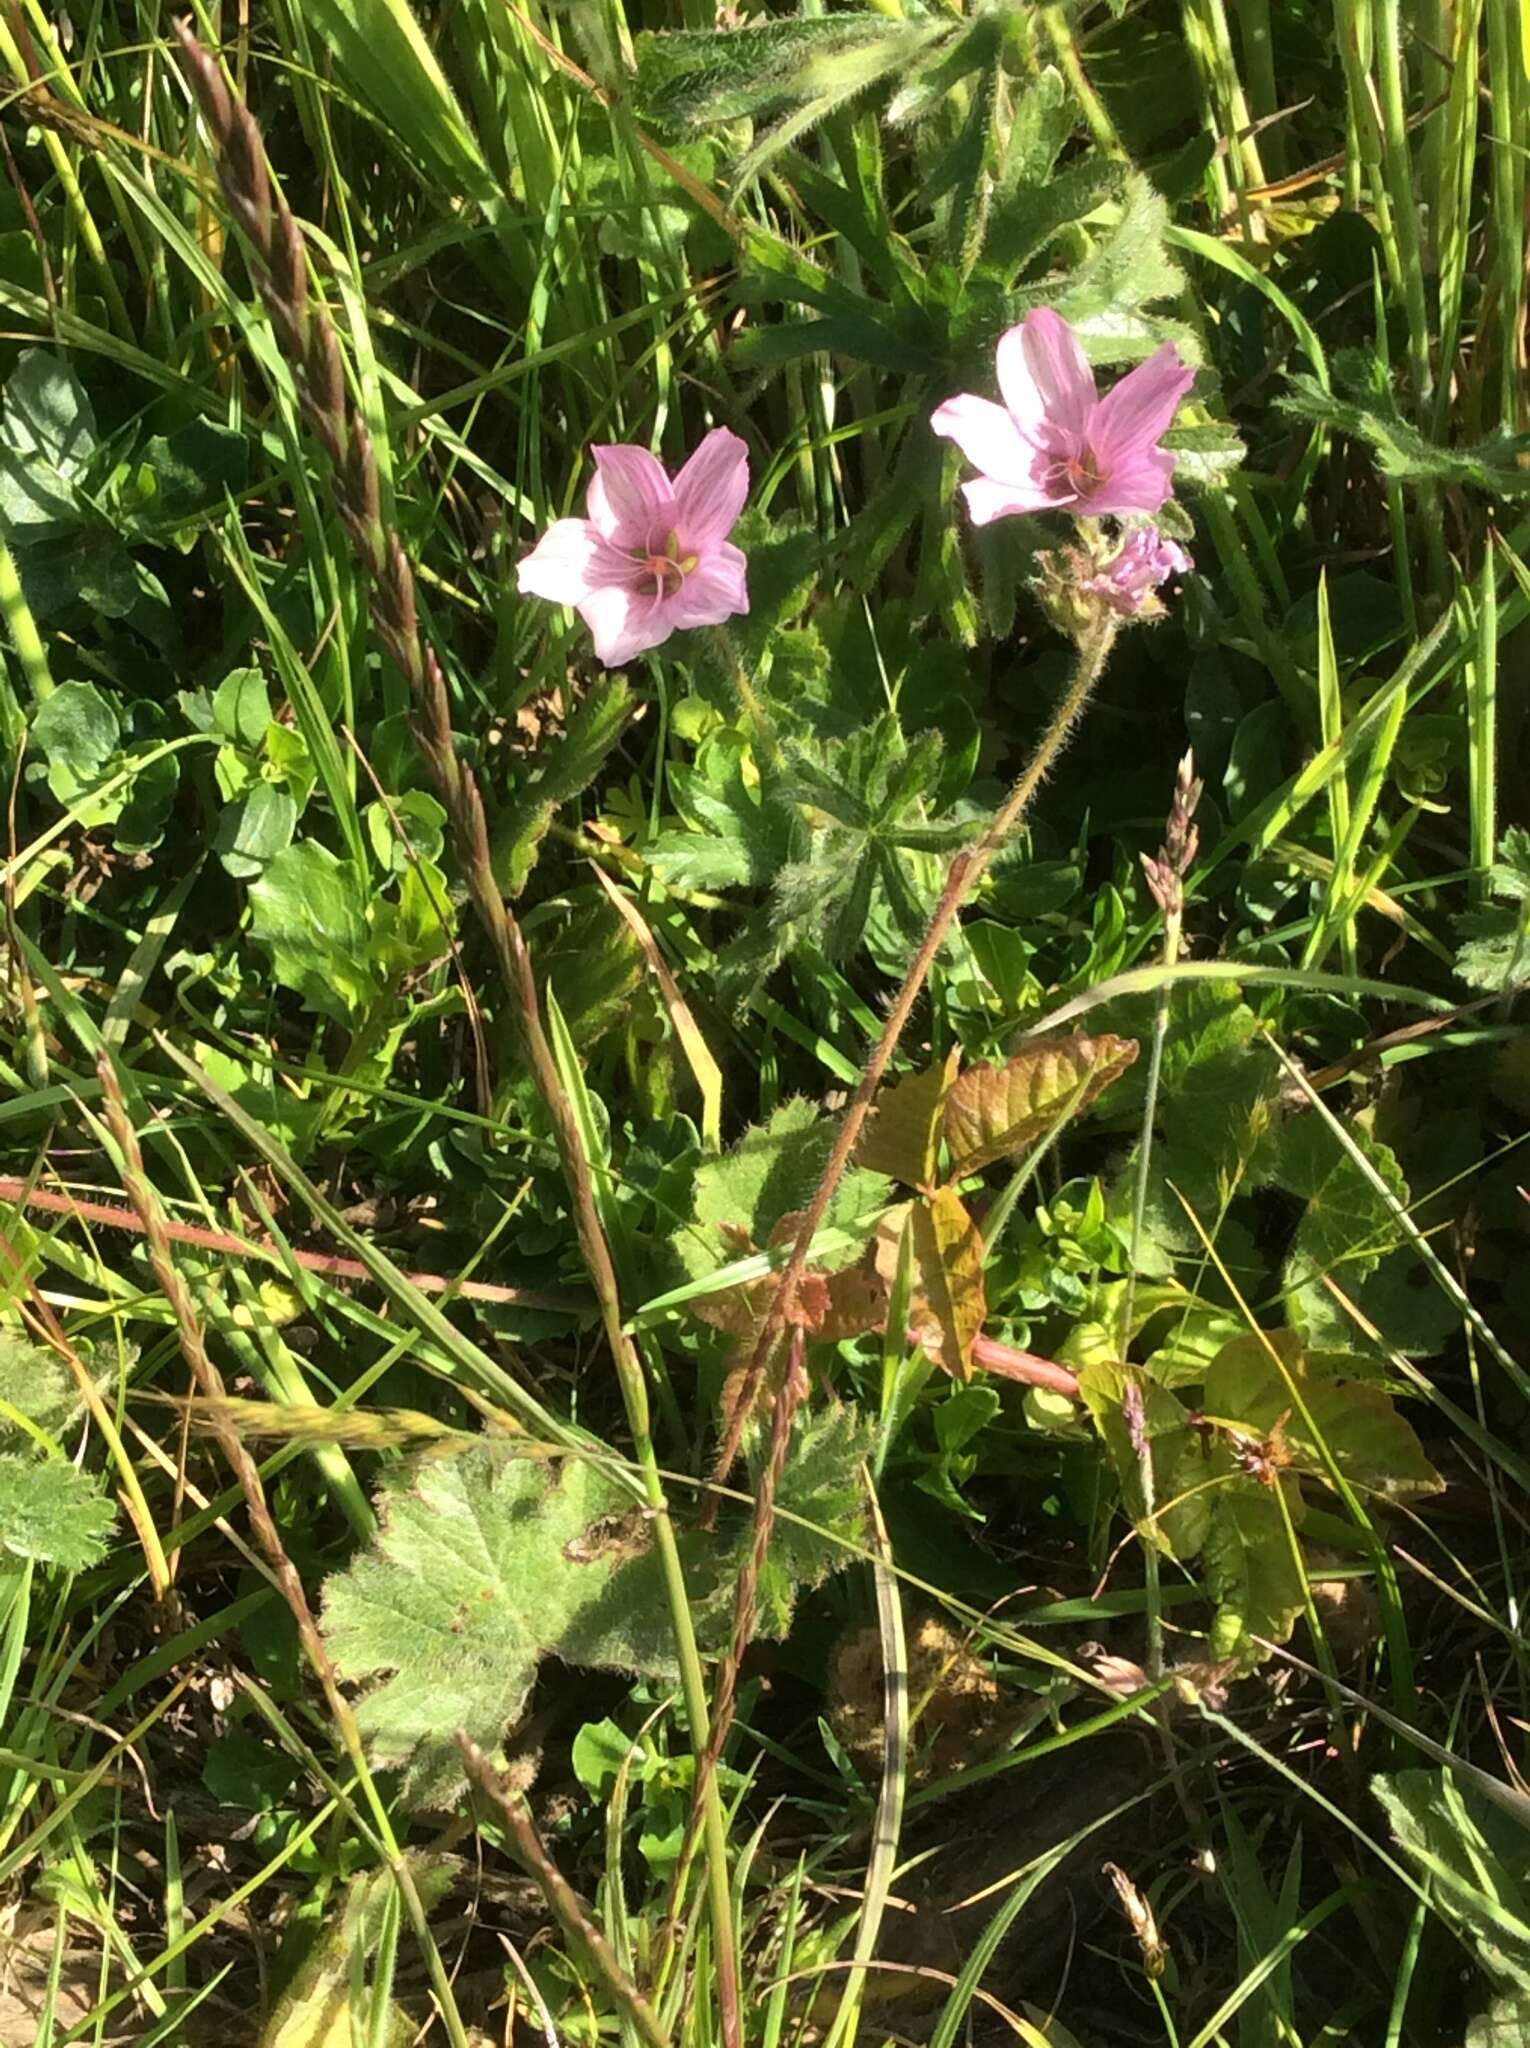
947, 1303
1000, 1112
771, 1173
485, 1563
46, 441
1495, 949
699, 76
241, 708
253, 831
1368, 1440
307, 907
77, 731
52, 1511
1252, 1574
902, 1135
193, 471
1349, 1234
488, 1561
34, 1383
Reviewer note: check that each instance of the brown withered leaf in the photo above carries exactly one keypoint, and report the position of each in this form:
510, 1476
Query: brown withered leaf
857, 1302
998, 1112
947, 1304
902, 1135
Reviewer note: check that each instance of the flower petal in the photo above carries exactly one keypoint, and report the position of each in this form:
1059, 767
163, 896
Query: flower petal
566, 564
715, 590
711, 489
988, 501
624, 623
1044, 380
1141, 484
1135, 414
986, 435
630, 496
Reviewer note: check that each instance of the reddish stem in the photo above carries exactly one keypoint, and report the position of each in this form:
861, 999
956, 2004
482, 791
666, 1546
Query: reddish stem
1012, 1364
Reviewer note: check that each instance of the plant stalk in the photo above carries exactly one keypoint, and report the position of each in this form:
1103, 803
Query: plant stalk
308, 344
966, 871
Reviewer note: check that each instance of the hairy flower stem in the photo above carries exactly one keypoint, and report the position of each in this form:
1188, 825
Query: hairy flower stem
966, 871
1166, 879
209, 1384
789, 1396
306, 337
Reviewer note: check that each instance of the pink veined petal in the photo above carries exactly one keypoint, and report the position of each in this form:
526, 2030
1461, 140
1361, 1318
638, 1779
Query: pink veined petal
565, 564
1141, 484
1044, 380
986, 435
624, 623
630, 495
710, 490
716, 589
1135, 414
988, 501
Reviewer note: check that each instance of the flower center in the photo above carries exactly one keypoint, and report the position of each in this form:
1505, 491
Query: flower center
1079, 473
667, 566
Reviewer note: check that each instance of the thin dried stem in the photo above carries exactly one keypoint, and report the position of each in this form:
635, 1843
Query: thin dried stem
563, 1901
306, 336
141, 1193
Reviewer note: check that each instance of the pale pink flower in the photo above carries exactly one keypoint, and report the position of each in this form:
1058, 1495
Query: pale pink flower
1144, 560
654, 555
1055, 444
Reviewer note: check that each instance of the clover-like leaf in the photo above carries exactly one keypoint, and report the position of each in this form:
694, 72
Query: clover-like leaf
1000, 1112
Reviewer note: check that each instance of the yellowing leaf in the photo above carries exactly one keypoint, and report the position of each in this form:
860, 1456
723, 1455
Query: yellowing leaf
998, 1112
947, 1304
902, 1135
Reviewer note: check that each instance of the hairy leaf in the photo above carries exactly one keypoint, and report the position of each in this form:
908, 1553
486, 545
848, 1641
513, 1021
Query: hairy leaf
487, 1562
1474, 1856
52, 1511
1000, 1112
37, 1384
1495, 948
564, 767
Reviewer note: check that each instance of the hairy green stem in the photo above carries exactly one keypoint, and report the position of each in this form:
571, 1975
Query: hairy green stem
966, 872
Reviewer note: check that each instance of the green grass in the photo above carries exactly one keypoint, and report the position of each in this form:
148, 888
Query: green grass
856, 1784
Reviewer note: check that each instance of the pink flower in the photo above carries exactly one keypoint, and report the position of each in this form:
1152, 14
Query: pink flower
654, 555
1144, 560
1055, 444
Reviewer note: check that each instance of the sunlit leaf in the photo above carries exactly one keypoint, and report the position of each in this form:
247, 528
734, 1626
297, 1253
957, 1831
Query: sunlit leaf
1000, 1112
902, 1137
947, 1304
